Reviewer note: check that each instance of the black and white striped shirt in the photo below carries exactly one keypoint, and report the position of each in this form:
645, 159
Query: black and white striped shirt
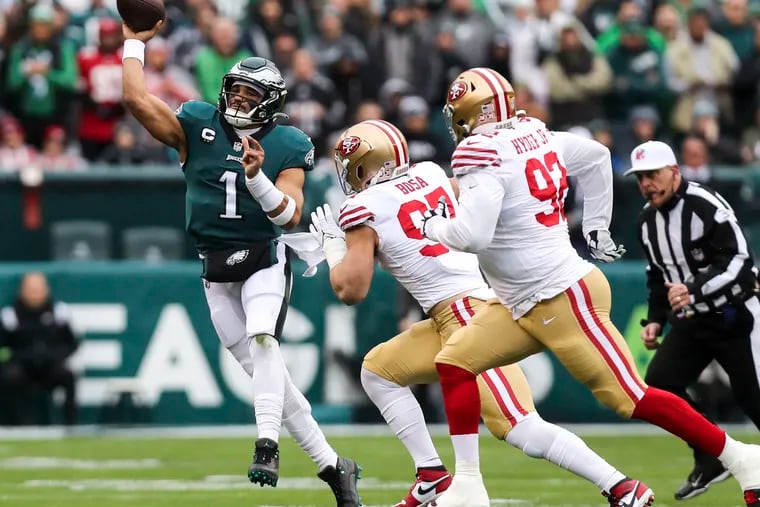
696, 240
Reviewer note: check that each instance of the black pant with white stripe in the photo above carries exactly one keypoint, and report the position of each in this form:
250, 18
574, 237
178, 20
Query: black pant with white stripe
731, 337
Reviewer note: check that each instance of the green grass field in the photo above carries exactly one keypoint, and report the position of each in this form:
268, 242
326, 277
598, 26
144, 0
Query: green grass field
120, 471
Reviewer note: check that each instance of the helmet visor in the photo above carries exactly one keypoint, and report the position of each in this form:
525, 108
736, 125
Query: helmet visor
448, 118
341, 167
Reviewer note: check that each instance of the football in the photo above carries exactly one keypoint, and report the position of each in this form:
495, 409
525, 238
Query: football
141, 15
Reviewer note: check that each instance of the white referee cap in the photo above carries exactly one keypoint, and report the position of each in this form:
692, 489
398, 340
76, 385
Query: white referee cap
650, 156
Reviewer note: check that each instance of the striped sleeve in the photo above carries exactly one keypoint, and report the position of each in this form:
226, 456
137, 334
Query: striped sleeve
472, 154
730, 268
354, 213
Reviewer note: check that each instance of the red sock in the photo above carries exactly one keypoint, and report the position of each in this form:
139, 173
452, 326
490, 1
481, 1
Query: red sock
460, 398
673, 414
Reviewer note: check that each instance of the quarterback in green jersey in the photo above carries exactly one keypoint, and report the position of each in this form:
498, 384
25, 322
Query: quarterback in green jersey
244, 175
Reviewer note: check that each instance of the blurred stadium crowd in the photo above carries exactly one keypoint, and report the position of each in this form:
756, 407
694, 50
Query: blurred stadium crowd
620, 71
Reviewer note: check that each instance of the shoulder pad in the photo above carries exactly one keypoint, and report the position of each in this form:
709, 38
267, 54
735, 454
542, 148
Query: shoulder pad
196, 109
291, 134
475, 152
530, 121
354, 212
426, 166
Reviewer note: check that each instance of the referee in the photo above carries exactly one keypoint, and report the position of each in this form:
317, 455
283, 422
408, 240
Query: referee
702, 281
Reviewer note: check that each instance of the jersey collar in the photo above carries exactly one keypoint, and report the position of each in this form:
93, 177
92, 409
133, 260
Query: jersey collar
233, 136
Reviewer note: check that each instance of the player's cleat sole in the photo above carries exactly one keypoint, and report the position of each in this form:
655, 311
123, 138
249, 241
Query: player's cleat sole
265, 469
342, 480
705, 473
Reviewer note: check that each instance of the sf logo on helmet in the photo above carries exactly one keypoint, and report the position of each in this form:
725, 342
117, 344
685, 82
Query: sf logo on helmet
349, 145
457, 90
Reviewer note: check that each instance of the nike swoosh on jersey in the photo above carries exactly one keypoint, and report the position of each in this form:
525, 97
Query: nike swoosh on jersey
549, 321
422, 491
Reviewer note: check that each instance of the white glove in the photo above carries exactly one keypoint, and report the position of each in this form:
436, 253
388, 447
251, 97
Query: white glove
328, 234
432, 215
602, 247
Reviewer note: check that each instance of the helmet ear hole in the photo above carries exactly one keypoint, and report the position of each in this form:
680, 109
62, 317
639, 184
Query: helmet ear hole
360, 172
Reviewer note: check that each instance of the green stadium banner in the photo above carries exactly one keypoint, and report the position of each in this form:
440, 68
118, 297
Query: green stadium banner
146, 331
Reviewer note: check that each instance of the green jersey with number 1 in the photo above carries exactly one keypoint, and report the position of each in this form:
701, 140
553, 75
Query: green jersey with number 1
220, 213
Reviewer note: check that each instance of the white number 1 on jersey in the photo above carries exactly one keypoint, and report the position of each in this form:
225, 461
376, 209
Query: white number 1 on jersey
229, 178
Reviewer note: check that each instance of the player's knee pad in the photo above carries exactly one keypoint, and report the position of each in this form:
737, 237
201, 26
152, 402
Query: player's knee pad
263, 341
373, 382
373, 363
616, 400
497, 424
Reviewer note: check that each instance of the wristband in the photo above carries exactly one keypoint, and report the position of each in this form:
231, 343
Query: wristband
334, 250
264, 191
134, 48
284, 217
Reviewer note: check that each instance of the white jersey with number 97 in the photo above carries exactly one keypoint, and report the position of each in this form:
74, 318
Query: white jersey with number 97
430, 271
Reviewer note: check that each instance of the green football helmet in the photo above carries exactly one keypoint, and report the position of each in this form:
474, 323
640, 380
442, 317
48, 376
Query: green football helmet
261, 75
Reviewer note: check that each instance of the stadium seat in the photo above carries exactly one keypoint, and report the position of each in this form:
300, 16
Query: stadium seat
80, 240
153, 244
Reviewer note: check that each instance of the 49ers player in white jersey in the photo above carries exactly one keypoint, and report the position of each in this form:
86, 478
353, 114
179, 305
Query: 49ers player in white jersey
512, 174
381, 221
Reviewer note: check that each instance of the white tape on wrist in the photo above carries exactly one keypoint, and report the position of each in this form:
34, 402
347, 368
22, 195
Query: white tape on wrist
134, 48
263, 190
284, 217
334, 250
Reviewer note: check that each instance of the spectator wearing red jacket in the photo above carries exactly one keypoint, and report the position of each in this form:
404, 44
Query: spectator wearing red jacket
100, 79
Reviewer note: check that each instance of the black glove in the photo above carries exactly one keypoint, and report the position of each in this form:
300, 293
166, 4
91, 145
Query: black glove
438, 213
602, 247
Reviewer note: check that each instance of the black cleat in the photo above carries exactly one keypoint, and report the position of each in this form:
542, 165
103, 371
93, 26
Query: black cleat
701, 478
342, 480
265, 469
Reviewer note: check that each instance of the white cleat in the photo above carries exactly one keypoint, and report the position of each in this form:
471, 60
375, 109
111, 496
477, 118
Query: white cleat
746, 469
465, 491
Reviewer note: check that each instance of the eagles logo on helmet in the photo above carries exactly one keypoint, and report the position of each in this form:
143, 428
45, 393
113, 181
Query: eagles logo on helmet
368, 153
261, 76
349, 145
457, 90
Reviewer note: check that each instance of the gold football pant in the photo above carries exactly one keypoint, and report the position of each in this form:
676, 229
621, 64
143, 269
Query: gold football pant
575, 325
409, 358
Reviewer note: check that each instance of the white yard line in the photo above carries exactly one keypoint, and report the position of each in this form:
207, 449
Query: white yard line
337, 430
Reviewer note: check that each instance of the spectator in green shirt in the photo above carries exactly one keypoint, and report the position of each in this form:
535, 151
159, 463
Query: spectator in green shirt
42, 73
629, 11
638, 68
735, 25
213, 61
